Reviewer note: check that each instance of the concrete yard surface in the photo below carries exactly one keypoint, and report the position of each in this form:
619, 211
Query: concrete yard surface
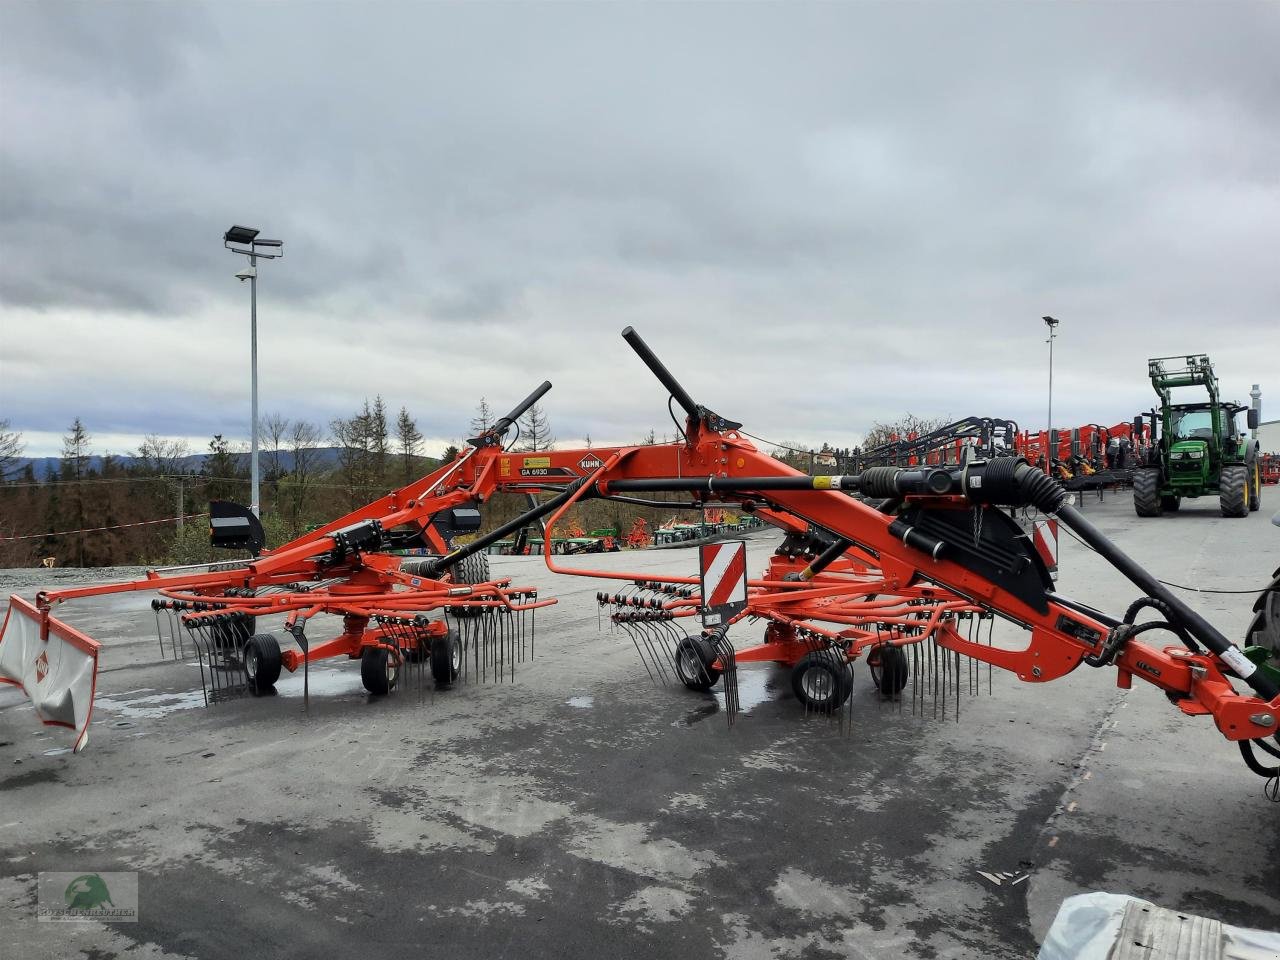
580, 810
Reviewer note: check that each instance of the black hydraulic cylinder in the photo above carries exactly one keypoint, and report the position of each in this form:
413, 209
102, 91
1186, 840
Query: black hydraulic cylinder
725, 484
826, 558
1197, 626
876, 482
441, 564
660, 371
504, 423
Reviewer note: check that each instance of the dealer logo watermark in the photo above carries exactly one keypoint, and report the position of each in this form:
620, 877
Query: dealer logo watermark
76, 897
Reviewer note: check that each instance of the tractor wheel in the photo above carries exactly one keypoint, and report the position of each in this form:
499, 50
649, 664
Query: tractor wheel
822, 680
379, 671
446, 658
1233, 491
1170, 502
1255, 488
888, 666
1146, 492
262, 662
694, 659
472, 569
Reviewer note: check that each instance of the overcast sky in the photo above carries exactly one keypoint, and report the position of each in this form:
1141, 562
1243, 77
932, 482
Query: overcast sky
819, 216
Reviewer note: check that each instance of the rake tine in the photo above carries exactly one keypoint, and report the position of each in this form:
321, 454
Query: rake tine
205, 689
643, 628
509, 626
936, 673
957, 672
159, 635
990, 642
918, 681
635, 641
729, 673
667, 635
626, 628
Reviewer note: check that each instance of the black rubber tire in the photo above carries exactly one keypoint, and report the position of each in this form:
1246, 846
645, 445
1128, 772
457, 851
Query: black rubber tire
1255, 487
262, 662
446, 657
378, 671
1146, 492
472, 569
234, 632
888, 668
822, 680
693, 659
1170, 502
1233, 491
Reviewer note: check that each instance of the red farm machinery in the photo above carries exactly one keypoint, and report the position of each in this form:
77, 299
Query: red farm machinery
904, 566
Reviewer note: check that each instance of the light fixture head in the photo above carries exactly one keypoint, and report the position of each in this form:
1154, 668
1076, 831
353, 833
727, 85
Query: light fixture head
239, 234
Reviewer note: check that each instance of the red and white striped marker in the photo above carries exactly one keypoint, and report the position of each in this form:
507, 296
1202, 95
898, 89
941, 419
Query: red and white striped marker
724, 580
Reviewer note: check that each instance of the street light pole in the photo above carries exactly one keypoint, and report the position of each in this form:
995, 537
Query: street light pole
255, 504
1052, 324
248, 244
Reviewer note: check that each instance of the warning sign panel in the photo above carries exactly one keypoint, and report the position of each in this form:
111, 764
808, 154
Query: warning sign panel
724, 581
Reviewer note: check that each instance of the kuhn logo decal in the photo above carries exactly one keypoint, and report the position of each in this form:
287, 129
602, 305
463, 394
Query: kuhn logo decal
42, 667
591, 462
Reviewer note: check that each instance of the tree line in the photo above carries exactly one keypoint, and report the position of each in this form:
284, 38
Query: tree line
309, 475
100, 509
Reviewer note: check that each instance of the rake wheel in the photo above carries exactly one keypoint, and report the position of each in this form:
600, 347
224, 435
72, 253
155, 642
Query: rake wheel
694, 658
446, 658
379, 671
822, 680
262, 662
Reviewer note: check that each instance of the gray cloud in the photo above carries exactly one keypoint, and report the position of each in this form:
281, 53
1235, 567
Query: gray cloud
822, 214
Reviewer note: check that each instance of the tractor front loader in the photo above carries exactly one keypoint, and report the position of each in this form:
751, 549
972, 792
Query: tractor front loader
1200, 451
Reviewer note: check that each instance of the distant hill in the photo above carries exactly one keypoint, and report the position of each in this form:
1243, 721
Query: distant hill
46, 467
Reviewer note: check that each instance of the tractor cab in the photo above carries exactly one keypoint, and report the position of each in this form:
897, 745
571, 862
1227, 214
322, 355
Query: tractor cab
1201, 451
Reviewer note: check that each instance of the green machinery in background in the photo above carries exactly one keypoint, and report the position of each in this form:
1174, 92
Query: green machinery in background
1200, 449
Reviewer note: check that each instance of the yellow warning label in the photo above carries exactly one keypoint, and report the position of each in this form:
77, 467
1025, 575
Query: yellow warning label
822, 483
530, 463
504, 467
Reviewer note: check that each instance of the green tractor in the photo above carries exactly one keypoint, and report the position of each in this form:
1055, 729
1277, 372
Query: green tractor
1200, 451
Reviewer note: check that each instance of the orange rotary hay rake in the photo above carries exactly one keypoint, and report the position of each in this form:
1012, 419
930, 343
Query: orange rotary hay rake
905, 567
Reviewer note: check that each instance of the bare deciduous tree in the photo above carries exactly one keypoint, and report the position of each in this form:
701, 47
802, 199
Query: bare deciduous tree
483, 419
535, 430
273, 430
409, 441
162, 455
11, 447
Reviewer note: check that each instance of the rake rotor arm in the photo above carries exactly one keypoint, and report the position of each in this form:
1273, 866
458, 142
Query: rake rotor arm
437, 567
1003, 482
659, 370
521, 408
698, 414
493, 436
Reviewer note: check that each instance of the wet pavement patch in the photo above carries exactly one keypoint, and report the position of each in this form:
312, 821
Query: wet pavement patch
30, 779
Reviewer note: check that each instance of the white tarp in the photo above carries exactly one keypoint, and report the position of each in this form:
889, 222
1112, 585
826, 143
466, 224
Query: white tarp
1088, 927
55, 665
